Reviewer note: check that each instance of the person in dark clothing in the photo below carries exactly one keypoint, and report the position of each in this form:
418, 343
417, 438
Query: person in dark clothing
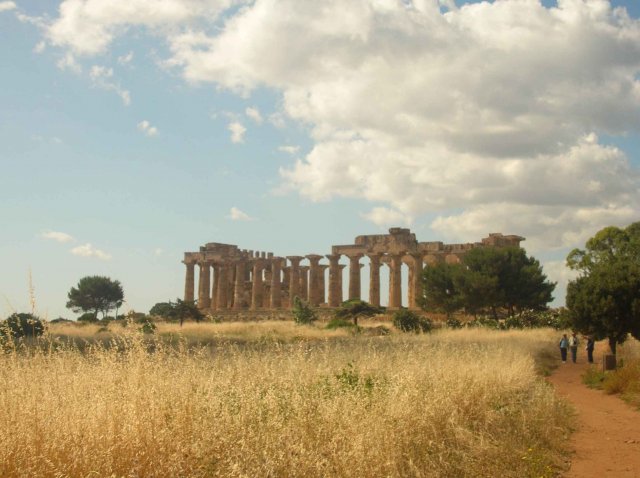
591, 343
564, 344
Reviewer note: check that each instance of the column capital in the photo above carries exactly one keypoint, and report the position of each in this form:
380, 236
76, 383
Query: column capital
333, 257
295, 260
314, 258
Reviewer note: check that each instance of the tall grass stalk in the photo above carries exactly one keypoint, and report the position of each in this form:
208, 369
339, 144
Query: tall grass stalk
455, 404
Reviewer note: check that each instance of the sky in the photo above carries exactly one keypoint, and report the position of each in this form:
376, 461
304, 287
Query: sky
133, 131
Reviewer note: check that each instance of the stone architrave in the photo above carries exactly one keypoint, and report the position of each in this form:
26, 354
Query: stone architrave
276, 291
257, 285
374, 279
203, 286
294, 277
354, 276
314, 279
221, 289
189, 281
335, 280
304, 282
238, 291
395, 281
415, 280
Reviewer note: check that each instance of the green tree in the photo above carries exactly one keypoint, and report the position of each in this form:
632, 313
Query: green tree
354, 309
303, 314
185, 310
439, 288
95, 294
408, 321
22, 325
604, 300
162, 309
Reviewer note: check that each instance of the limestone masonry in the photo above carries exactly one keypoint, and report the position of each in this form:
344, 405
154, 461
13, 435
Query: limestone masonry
238, 279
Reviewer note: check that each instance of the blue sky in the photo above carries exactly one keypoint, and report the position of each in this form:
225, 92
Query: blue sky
130, 134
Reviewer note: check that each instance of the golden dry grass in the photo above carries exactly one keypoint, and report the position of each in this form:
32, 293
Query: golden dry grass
453, 404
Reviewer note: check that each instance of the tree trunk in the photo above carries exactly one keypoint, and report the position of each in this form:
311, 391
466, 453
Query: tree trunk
612, 345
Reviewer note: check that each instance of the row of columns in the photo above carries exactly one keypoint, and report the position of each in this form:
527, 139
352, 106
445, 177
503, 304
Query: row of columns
230, 278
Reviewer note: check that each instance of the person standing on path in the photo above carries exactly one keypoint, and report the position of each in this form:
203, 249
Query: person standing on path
564, 343
591, 343
573, 345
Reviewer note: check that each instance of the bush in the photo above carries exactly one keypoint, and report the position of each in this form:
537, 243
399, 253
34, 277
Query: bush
453, 323
339, 323
148, 327
302, 313
22, 325
409, 321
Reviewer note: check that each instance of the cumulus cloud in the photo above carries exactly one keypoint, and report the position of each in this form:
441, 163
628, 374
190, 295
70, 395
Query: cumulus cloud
485, 116
236, 214
237, 131
125, 59
290, 149
58, 236
6, 6
254, 114
383, 216
147, 129
87, 250
68, 62
102, 77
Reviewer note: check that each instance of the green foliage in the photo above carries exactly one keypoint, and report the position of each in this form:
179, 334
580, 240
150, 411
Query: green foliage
339, 323
303, 314
88, 317
453, 323
604, 300
21, 325
350, 379
95, 294
148, 326
354, 309
409, 321
162, 309
489, 279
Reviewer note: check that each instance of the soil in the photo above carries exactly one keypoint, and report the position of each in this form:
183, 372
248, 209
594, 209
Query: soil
606, 442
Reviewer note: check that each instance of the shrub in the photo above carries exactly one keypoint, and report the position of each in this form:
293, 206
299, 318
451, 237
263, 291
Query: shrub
355, 308
22, 325
453, 323
148, 327
302, 313
88, 317
408, 321
339, 323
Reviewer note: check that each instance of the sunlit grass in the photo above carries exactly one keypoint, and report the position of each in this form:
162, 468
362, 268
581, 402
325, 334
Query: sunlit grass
455, 403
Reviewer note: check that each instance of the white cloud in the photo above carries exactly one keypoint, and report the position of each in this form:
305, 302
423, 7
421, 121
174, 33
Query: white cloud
102, 77
236, 214
6, 6
125, 59
40, 47
68, 62
58, 236
237, 131
254, 114
147, 129
290, 149
485, 116
383, 216
87, 250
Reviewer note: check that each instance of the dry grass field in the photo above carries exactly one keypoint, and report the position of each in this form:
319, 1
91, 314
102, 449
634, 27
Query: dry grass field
279, 400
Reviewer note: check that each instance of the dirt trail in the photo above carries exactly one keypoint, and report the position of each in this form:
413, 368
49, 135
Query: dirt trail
607, 440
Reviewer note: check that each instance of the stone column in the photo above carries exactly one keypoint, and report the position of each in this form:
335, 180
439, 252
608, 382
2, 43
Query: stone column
304, 282
314, 279
189, 282
276, 292
222, 286
238, 290
294, 277
395, 281
321, 285
256, 288
204, 301
354, 276
335, 280
214, 286
374, 280
415, 280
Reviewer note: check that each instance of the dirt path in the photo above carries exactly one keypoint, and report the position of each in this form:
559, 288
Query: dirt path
607, 440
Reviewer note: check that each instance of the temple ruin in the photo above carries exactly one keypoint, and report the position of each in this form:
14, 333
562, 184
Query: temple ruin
239, 279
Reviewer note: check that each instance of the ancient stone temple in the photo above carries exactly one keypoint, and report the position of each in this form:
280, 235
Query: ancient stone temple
230, 278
